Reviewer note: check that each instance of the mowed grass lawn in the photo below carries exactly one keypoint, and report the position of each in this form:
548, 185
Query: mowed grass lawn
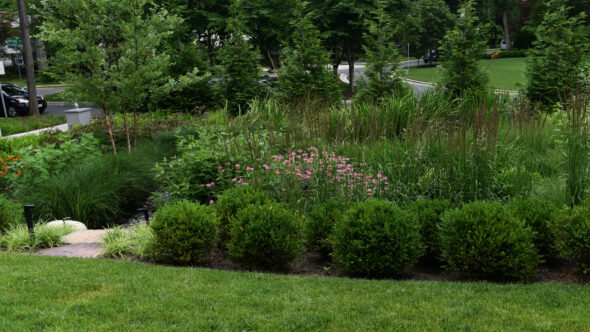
60, 294
507, 74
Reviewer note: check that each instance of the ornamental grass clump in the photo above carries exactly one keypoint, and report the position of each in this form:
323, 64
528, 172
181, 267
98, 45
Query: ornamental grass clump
483, 239
267, 237
376, 239
185, 232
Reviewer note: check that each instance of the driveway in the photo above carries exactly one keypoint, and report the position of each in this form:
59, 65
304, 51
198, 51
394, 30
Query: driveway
359, 73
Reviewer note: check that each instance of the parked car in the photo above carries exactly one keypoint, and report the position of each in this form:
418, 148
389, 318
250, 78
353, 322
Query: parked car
431, 56
16, 99
504, 45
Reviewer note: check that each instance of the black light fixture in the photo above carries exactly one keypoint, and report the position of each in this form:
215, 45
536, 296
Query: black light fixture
146, 214
29, 217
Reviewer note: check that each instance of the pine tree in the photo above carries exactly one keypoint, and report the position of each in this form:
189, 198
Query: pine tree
555, 68
240, 62
306, 72
460, 49
383, 79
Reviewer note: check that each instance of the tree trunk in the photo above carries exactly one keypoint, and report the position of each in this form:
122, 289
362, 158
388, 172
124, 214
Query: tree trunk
337, 57
126, 129
506, 24
30, 66
110, 129
350, 59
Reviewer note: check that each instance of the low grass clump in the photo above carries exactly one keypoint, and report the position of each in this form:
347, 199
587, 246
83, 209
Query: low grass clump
18, 125
18, 238
138, 241
107, 295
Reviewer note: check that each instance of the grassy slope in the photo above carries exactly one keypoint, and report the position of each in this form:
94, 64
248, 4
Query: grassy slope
17, 125
503, 73
43, 293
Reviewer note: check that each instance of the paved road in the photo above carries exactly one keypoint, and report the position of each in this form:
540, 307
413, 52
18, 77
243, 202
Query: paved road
58, 108
359, 73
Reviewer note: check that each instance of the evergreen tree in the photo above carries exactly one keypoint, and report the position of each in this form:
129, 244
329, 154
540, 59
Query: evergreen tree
305, 73
555, 67
460, 49
383, 79
240, 62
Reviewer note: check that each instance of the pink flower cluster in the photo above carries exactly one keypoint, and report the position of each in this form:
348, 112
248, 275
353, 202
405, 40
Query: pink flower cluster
311, 169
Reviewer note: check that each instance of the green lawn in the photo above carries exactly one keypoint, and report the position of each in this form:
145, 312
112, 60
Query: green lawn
508, 74
60, 294
10, 126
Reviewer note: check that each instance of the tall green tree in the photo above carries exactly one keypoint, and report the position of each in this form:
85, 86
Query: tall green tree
109, 51
240, 62
305, 73
554, 70
382, 73
433, 19
460, 48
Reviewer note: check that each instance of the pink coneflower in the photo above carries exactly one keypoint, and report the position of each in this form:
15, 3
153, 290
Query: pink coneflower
211, 202
237, 165
234, 180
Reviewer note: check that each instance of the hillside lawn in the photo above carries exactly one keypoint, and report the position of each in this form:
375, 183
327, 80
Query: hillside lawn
46, 293
506, 74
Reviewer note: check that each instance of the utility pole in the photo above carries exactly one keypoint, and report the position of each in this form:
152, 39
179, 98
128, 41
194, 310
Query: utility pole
29, 65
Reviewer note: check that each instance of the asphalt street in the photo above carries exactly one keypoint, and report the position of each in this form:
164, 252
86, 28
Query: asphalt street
359, 73
58, 108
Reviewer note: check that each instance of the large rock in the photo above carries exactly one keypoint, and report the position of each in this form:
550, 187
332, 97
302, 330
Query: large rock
78, 226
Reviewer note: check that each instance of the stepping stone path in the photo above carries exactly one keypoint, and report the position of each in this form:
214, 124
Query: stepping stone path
82, 244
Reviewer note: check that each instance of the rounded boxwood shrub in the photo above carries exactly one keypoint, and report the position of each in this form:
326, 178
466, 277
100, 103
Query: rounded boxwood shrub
319, 225
540, 216
11, 214
484, 240
265, 236
574, 237
428, 214
376, 239
233, 201
184, 232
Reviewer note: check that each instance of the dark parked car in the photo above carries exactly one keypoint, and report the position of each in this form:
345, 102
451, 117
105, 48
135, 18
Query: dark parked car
16, 99
430, 57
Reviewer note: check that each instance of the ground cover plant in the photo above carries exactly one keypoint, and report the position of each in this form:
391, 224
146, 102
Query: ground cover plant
13, 126
122, 295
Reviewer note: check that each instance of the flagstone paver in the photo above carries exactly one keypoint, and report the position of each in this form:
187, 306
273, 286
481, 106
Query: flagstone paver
81, 250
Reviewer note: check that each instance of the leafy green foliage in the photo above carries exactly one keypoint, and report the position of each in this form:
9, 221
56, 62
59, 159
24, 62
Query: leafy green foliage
554, 72
432, 20
383, 77
460, 48
541, 217
185, 232
574, 237
240, 63
265, 236
234, 200
41, 163
428, 213
305, 73
11, 214
482, 239
186, 175
320, 223
376, 239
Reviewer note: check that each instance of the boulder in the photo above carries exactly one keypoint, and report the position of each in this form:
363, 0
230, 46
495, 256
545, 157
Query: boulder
78, 226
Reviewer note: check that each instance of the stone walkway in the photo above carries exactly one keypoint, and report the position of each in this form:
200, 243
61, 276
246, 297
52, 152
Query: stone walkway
82, 244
